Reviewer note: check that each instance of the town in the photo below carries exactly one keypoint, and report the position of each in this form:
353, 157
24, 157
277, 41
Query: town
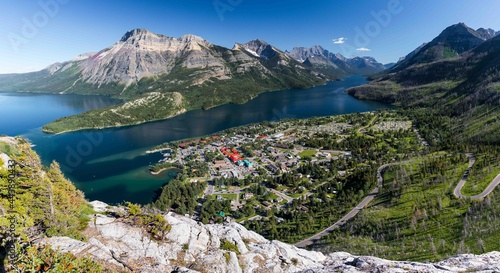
262, 174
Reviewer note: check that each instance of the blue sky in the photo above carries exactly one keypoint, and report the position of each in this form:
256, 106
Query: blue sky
36, 33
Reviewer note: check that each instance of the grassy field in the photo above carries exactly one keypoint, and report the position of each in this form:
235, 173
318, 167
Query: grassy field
228, 196
307, 153
8, 149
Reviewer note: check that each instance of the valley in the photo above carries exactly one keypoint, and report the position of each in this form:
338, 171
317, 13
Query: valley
337, 183
184, 137
419, 205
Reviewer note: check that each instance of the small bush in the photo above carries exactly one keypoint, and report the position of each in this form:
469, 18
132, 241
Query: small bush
227, 256
44, 259
228, 246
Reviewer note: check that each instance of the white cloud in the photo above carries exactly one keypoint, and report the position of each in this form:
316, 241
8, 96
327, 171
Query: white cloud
339, 41
363, 49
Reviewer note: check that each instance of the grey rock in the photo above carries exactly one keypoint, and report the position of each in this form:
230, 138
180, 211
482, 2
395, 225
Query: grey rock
317, 56
194, 247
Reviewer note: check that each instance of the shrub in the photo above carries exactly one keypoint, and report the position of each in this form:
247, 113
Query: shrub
228, 246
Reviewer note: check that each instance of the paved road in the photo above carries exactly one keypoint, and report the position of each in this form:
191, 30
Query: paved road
353, 212
376, 190
209, 190
282, 195
458, 189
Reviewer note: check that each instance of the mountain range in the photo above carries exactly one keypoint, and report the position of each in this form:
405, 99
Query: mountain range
143, 55
328, 62
142, 61
153, 71
456, 75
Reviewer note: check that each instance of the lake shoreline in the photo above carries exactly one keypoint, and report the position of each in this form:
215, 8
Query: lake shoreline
99, 164
162, 170
174, 115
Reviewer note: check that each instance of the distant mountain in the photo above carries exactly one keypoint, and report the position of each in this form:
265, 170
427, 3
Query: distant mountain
329, 62
258, 48
321, 59
453, 41
365, 65
466, 87
142, 55
486, 33
389, 65
147, 67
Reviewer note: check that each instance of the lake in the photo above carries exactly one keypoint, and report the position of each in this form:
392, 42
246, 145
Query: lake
111, 165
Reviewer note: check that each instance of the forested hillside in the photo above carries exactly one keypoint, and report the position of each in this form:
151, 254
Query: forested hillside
36, 202
465, 89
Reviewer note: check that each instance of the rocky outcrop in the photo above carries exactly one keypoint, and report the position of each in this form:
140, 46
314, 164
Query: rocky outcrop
190, 246
345, 262
193, 247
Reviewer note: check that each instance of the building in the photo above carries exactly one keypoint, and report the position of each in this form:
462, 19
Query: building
273, 168
247, 163
247, 195
278, 136
235, 157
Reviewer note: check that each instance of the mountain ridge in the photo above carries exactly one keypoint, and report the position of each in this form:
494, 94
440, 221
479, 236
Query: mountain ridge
322, 59
142, 62
451, 42
463, 87
140, 54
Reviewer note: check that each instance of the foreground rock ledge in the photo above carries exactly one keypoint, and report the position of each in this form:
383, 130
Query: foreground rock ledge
193, 247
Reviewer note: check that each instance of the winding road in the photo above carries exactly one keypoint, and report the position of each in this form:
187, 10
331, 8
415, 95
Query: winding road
376, 190
353, 212
458, 189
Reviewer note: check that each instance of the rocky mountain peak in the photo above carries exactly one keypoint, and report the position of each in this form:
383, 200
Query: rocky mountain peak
141, 53
192, 38
317, 56
302, 53
366, 63
459, 33
259, 48
452, 41
486, 33
317, 49
136, 33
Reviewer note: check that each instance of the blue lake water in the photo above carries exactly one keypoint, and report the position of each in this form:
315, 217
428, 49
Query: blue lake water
111, 165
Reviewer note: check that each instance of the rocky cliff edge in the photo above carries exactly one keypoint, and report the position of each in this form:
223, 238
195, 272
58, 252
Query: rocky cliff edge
191, 246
